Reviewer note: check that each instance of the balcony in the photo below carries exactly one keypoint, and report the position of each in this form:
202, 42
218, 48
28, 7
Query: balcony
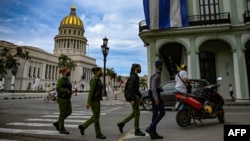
196, 20
213, 19
246, 16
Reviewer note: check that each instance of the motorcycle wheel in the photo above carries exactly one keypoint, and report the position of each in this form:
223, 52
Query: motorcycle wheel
221, 116
147, 104
182, 118
46, 99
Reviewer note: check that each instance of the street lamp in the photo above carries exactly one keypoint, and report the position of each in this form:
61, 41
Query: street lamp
105, 51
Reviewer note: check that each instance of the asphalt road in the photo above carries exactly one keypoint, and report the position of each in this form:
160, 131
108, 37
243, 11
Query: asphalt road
31, 120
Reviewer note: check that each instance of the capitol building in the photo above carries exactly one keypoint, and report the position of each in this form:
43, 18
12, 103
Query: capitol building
43, 69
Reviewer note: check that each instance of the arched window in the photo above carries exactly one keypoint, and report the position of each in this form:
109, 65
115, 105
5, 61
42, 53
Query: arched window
207, 66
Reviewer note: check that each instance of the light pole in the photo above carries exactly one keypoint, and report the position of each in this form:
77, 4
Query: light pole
105, 51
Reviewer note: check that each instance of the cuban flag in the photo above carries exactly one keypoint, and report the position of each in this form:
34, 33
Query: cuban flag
162, 14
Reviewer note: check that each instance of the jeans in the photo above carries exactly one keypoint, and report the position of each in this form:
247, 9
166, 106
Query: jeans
158, 113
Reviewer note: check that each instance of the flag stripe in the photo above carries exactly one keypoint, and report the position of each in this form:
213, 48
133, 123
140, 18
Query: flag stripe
146, 12
164, 21
175, 15
154, 14
160, 14
184, 14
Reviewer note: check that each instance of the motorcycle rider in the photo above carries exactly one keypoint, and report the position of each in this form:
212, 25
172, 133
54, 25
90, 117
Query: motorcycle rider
182, 74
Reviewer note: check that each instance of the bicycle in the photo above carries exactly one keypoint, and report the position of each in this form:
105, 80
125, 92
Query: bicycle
51, 96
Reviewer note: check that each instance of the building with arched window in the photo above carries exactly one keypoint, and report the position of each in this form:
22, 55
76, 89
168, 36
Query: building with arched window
213, 39
43, 66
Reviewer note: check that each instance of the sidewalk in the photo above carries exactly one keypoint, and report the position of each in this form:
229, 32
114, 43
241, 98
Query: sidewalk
115, 98
112, 98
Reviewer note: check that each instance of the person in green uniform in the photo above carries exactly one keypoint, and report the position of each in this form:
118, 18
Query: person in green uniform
134, 97
64, 91
94, 97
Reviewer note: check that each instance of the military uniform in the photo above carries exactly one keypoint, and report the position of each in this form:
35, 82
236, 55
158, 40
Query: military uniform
94, 97
63, 88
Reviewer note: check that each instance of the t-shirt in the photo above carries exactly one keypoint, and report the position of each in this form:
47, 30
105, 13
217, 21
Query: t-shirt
180, 86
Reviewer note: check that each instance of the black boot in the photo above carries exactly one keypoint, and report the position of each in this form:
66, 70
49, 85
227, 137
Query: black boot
138, 132
64, 131
101, 136
120, 125
156, 136
81, 129
56, 125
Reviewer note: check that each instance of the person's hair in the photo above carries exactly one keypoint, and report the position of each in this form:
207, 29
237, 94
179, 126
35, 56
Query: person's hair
133, 68
158, 63
62, 70
95, 69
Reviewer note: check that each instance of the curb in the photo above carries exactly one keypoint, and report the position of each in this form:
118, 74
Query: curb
14, 98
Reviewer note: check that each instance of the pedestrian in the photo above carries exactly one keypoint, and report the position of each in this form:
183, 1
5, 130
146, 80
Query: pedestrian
95, 95
156, 99
52, 92
75, 89
182, 81
231, 91
64, 92
132, 88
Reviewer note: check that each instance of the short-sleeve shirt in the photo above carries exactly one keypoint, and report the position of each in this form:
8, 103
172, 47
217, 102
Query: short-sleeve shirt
180, 86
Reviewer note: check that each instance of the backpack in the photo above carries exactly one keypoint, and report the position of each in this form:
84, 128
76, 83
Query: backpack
127, 91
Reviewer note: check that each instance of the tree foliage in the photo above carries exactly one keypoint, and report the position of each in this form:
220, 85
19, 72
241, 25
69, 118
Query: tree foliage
9, 61
65, 61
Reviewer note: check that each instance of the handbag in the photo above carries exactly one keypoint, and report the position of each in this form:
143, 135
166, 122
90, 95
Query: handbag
188, 86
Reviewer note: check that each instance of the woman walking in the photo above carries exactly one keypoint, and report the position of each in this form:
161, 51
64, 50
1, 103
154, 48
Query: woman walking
64, 90
94, 97
132, 86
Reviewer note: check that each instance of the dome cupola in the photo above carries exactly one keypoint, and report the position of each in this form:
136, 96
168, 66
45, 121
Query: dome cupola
72, 19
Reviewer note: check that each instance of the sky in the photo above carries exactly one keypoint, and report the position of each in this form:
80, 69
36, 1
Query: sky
36, 22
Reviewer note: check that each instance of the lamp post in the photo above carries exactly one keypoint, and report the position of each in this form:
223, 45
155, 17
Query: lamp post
105, 51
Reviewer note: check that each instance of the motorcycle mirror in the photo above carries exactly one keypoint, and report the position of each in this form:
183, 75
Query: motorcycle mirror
219, 78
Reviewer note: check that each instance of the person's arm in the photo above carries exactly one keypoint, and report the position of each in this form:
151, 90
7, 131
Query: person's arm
92, 89
59, 87
154, 87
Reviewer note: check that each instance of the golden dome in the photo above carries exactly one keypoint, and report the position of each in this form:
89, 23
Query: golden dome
72, 19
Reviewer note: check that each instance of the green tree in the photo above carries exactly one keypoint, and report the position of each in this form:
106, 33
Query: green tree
143, 83
65, 61
110, 72
9, 61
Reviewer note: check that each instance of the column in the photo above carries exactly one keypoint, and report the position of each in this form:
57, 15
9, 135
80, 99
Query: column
239, 72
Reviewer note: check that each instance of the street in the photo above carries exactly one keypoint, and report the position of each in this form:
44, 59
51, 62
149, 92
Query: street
31, 119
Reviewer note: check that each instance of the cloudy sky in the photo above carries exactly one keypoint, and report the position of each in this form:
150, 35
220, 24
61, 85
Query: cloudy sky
35, 23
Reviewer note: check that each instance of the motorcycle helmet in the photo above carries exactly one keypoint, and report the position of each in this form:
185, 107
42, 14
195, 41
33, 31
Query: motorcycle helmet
208, 109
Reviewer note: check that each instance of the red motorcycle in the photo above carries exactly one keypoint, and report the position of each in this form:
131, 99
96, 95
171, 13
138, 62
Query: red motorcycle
206, 103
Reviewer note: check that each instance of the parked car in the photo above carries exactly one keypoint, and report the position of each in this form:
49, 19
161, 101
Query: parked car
168, 94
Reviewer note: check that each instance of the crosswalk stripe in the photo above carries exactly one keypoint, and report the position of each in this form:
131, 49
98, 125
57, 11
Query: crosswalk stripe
53, 120
40, 132
44, 121
56, 116
39, 124
7, 140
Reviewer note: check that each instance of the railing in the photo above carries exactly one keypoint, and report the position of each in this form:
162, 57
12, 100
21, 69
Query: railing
212, 19
246, 16
194, 20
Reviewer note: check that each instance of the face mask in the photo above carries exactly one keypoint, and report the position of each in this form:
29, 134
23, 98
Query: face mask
139, 71
68, 74
100, 74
